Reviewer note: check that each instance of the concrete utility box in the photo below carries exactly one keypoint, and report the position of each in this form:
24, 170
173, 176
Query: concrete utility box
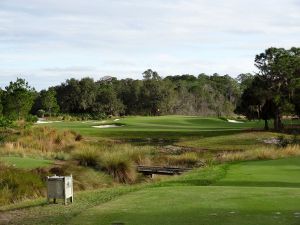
60, 187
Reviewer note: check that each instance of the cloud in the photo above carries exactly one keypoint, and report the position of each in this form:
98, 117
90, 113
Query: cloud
125, 37
69, 69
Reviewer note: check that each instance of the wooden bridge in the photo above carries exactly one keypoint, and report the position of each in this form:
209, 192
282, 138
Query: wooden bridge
151, 170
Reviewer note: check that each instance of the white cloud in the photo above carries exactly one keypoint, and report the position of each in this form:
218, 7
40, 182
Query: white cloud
125, 37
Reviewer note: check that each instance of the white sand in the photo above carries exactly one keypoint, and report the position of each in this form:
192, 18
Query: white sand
44, 122
234, 121
107, 126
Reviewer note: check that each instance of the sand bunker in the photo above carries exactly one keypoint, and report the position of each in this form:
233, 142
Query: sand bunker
44, 122
107, 126
234, 121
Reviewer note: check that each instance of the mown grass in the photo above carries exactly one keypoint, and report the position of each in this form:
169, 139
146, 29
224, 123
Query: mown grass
264, 192
246, 193
163, 127
25, 163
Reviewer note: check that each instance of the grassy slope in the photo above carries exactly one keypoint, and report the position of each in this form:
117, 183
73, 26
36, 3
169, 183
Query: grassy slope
25, 163
264, 192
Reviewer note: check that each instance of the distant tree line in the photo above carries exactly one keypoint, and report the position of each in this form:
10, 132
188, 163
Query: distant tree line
269, 94
182, 94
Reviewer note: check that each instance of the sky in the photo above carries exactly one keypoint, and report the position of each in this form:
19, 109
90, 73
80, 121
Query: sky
49, 41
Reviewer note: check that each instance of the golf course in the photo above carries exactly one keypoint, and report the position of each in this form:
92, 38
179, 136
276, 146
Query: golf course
245, 179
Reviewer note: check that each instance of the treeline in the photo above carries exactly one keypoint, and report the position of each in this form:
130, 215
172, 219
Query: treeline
271, 93
182, 94
275, 90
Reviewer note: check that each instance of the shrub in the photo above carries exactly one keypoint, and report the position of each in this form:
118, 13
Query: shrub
18, 184
31, 118
189, 159
282, 141
5, 122
78, 137
41, 113
61, 156
87, 156
119, 166
260, 154
58, 140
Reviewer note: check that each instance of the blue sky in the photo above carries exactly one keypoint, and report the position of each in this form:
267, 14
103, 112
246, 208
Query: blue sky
48, 41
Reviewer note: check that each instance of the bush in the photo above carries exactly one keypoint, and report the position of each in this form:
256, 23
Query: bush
87, 156
119, 166
5, 122
31, 119
17, 184
283, 142
41, 113
260, 154
78, 137
189, 159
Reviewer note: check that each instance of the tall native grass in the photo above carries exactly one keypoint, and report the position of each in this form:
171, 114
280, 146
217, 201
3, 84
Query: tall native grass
40, 141
119, 160
262, 153
16, 185
187, 159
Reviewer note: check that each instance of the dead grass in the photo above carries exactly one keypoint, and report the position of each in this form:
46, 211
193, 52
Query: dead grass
260, 154
119, 160
188, 159
40, 141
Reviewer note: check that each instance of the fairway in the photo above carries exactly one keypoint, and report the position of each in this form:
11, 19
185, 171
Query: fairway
251, 193
162, 127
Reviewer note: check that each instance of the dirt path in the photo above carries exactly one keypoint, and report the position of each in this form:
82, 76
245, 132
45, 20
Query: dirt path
4, 218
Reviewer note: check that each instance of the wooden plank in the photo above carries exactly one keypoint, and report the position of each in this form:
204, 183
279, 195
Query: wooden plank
161, 170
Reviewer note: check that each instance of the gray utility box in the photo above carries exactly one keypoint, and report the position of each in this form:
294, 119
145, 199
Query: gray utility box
60, 187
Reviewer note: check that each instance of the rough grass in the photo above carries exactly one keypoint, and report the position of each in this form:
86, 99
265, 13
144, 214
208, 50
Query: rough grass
16, 185
260, 154
39, 141
118, 160
188, 159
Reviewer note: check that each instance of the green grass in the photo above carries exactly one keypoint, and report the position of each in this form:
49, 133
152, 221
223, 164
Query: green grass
239, 141
246, 193
25, 163
163, 127
199, 205
265, 192
257, 192
187, 131
272, 173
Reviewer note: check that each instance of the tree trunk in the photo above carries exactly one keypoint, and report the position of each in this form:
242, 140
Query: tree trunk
277, 121
266, 125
